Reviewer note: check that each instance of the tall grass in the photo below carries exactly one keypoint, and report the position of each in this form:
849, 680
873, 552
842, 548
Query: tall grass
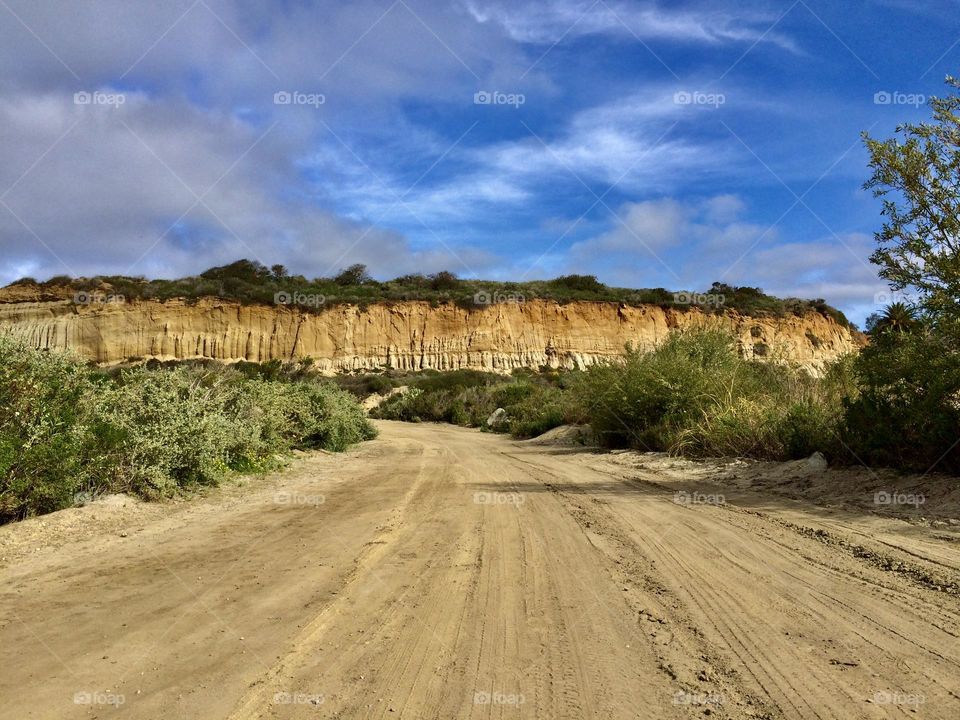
696, 395
535, 402
66, 428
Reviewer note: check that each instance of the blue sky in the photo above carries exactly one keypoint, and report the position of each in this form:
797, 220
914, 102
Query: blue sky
652, 144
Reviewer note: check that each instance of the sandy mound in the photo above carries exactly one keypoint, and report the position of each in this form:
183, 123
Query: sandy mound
931, 498
566, 436
371, 401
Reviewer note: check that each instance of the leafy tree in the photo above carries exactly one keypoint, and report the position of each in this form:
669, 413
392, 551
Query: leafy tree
247, 271
917, 174
444, 280
353, 275
279, 272
416, 280
907, 412
588, 283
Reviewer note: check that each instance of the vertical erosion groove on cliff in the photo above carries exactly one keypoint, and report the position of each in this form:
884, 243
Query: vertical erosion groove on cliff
407, 335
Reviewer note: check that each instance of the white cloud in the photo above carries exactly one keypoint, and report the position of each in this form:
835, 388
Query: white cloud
631, 143
119, 178
724, 208
106, 196
653, 225
232, 50
689, 245
206, 74
556, 20
834, 267
667, 225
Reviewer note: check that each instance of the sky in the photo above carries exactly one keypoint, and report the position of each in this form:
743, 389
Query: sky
653, 144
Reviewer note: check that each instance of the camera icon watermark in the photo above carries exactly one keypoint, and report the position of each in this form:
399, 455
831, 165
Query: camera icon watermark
893, 497
495, 97
291, 497
683, 497
495, 297
94, 297
498, 498
97, 97
295, 97
714, 300
896, 97
696, 97
96, 697
285, 297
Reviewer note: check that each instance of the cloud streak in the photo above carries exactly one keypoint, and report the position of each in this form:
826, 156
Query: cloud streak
554, 22
701, 241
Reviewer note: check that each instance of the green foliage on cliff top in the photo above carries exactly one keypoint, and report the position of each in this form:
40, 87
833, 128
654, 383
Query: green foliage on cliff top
250, 282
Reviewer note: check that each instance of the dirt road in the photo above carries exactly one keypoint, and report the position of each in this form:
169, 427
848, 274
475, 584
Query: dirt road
443, 573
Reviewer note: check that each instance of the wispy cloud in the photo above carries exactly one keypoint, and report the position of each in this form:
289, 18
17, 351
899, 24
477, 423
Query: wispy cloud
151, 187
701, 240
626, 143
551, 22
400, 169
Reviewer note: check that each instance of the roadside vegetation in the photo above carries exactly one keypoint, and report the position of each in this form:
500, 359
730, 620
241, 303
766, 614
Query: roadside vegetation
250, 282
908, 410
69, 431
66, 428
895, 404
535, 402
694, 395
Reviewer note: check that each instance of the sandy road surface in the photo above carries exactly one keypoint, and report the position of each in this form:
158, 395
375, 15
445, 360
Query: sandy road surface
443, 573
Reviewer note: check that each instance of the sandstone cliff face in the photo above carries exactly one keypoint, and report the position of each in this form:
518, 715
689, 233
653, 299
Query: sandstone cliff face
409, 335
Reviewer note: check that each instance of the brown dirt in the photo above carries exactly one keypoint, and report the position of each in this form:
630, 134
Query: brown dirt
439, 572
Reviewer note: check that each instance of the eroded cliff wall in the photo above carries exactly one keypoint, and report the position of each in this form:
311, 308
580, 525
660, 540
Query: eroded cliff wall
408, 335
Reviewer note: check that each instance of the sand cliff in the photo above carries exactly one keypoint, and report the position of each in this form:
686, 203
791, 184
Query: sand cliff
407, 335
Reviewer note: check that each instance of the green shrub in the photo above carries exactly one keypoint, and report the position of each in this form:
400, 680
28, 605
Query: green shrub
696, 395
534, 403
587, 283
251, 282
907, 413
444, 280
543, 409
43, 434
67, 428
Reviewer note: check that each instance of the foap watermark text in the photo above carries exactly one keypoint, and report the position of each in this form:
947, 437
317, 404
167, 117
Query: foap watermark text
291, 497
894, 497
696, 97
284, 297
98, 97
885, 97
683, 497
295, 97
498, 498
495, 97
496, 297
